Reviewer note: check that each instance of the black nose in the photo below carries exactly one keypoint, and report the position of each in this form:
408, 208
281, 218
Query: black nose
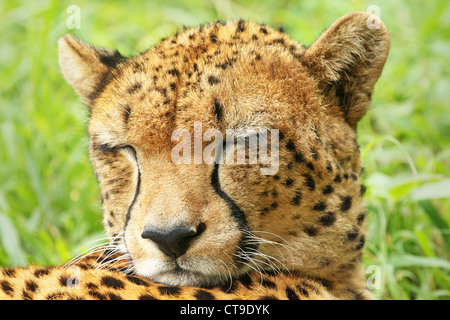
173, 242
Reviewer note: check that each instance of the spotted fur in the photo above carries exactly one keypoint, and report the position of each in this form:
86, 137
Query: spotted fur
199, 228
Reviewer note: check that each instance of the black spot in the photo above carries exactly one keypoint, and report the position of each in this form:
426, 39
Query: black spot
241, 26
229, 288
171, 291
274, 205
346, 203
147, 297
320, 206
310, 287
314, 154
310, 231
351, 236
213, 80
326, 283
280, 41
263, 30
113, 283
254, 37
137, 281
60, 295
297, 198
223, 65
310, 166
360, 218
217, 109
290, 145
274, 193
174, 72
26, 295
269, 284
92, 286
318, 138
289, 182
346, 266
303, 291
338, 178
113, 296
264, 211
213, 38
63, 280
267, 298
329, 166
327, 219
361, 243
134, 88
203, 295
299, 157
9, 272
310, 183
291, 295
6, 287
173, 86
281, 29
247, 281
357, 295
363, 190
328, 189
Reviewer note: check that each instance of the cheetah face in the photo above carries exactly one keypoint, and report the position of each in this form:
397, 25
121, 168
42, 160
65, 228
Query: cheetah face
197, 222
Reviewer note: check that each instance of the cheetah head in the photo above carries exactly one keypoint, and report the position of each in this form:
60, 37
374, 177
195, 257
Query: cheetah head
197, 222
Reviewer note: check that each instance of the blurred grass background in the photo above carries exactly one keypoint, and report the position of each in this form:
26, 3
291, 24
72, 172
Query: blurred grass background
49, 199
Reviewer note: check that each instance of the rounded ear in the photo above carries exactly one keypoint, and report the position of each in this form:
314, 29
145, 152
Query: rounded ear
347, 59
85, 67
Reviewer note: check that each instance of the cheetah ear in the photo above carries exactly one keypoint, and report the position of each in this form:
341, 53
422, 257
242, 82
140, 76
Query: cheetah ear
347, 59
84, 66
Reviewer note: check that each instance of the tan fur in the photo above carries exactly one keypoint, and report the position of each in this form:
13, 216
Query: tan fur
307, 219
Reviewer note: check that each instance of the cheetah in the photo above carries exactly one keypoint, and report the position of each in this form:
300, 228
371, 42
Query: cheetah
197, 230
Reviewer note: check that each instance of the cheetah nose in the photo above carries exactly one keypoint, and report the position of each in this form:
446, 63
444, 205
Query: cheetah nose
175, 241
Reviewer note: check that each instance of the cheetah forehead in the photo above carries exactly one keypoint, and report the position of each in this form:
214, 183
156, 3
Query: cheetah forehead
197, 75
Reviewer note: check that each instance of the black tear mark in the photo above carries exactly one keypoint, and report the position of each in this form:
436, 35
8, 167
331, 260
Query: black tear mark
237, 214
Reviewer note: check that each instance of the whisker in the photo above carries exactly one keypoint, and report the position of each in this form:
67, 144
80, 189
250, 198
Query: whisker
229, 273
95, 249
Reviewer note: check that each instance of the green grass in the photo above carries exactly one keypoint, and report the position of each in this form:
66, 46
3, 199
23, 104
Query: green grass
49, 199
